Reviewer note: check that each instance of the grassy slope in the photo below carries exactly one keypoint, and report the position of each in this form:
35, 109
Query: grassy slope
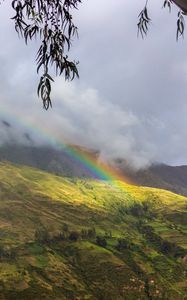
31, 199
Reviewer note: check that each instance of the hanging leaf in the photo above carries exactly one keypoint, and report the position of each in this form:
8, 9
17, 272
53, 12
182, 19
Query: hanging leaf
167, 3
53, 23
180, 25
144, 22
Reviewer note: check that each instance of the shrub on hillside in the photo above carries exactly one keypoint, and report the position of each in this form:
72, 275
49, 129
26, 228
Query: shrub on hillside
167, 247
88, 233
7, 253
108, 234
146, 209
64, 232
42, 235
65, 227
84, 234
137, 210
91, 233
74, 236
164, 246
101, 241
123, 244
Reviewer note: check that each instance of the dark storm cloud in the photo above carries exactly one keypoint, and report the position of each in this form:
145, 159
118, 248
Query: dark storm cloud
130, 100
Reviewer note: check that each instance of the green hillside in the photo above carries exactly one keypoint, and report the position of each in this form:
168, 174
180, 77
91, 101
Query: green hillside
84, 239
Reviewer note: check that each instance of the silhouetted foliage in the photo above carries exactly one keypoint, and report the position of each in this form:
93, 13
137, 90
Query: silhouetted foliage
180, 25
52, 22
145, 20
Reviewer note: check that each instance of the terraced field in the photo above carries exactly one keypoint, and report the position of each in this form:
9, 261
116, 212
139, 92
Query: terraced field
63, 238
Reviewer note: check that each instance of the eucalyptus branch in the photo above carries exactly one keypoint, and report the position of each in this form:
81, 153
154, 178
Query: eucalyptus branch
168, 3
180, 25
52, 21
144, 21
180, 19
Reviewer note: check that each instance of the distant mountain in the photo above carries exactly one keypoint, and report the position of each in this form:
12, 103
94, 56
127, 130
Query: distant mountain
47, 158
173, 178
60, 163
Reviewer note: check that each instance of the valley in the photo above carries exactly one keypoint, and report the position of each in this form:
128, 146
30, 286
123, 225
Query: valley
76, 238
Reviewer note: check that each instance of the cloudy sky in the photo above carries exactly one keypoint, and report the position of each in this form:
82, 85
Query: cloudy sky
131, 98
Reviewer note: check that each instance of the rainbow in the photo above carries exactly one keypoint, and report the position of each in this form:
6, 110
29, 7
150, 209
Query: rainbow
100, 171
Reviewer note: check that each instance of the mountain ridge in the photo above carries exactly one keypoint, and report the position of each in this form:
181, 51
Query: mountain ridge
57, 161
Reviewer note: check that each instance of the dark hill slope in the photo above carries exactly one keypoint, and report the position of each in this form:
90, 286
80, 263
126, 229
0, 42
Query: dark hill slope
173, 178
85, 239
59, 163
46, 158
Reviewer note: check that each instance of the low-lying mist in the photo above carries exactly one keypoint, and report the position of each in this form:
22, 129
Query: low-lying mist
83, 117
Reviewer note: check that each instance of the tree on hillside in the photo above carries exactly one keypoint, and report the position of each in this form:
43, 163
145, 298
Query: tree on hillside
52, 22
42, 235
74, 236
101, 241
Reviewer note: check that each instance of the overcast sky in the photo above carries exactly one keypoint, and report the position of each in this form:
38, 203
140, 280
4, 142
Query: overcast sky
131, 98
